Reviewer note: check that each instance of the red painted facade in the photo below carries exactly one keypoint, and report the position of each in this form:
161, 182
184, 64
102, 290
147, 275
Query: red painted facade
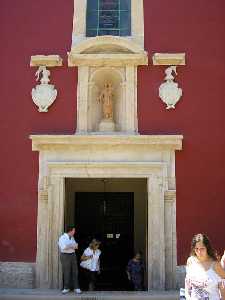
45, 27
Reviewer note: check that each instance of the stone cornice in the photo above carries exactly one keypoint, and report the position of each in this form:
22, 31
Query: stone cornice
39, 142
168, 59
46, 60
116, 60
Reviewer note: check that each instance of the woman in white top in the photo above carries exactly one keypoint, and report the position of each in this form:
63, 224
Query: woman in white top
90, 262
204, 272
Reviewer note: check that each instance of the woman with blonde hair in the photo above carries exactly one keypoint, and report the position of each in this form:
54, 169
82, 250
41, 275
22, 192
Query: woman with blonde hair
90, 263
204, 273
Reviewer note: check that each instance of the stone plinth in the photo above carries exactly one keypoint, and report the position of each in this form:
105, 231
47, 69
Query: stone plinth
106, 125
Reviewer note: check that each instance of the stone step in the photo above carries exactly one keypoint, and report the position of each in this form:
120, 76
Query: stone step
37, 294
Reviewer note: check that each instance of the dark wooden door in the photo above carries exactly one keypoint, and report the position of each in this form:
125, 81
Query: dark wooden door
108, 217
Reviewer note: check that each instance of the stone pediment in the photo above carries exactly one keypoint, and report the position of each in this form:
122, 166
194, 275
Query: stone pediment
107, 50
106, 44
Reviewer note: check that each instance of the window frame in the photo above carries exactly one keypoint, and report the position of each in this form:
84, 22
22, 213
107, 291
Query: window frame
137, 22
99, 31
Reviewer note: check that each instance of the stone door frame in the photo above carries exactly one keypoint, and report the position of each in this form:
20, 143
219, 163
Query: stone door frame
161, 206
108, 156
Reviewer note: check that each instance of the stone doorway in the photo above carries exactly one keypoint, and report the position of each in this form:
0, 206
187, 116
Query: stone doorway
90, 157
115, 211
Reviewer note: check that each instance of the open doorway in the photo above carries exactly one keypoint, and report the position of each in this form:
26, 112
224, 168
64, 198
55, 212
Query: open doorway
107, 216
113, 211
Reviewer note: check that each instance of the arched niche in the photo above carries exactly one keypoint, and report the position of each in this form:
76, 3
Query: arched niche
98, 78
107, 59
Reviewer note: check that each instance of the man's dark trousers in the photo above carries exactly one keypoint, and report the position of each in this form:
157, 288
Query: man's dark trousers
69, 269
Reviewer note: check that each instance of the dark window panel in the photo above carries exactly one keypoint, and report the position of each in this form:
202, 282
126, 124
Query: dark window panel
125, 5
109, 4
108, 19
125, 32
92, 4
125, 20
92, 19
108, 32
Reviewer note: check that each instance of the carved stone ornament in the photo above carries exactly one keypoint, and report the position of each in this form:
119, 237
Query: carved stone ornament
169, 92
43, 94
106, 99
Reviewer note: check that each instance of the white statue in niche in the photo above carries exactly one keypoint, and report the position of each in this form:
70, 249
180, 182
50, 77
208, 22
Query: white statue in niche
43, 94
169, 91
107, 102
106, 99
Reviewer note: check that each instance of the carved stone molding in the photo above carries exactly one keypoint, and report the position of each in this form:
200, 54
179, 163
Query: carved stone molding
116, 60
43, 196
44, 94
107, 51
170, 195
46, 60
110, 156
54, 142
168, 59
106, 44
43, 189
169, 92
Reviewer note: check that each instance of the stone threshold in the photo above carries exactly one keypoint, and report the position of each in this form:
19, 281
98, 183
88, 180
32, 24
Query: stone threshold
44, 294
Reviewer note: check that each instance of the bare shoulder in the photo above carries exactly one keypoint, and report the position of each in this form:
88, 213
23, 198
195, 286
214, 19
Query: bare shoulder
219, 270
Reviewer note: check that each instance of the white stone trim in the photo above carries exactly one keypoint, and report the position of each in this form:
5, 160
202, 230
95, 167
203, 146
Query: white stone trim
169, 59
45, 142
115, 60
99, 42
108, 157
137, 22
79, 20
156, 174
46, 60
82, 99
126, 109
170, 238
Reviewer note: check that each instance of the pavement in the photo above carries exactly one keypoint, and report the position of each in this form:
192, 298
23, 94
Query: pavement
50, 294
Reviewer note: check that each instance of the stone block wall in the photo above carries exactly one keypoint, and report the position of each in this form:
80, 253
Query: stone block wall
17, 275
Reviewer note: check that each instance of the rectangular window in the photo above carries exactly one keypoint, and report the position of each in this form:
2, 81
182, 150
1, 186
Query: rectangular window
108, 17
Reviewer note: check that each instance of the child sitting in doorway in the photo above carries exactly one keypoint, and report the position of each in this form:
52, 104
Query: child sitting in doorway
135, 271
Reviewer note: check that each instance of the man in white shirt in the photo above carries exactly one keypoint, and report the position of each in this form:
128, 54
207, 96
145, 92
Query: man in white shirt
67, 246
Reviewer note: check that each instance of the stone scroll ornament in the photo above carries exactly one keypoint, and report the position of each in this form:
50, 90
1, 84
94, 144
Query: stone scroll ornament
169, 92
43, 94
